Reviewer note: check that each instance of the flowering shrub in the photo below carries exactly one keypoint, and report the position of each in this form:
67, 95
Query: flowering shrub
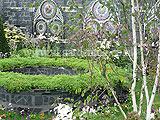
16, 39
133, 116
155, 111
63, 112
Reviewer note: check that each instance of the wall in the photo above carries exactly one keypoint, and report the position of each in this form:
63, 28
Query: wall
15, 12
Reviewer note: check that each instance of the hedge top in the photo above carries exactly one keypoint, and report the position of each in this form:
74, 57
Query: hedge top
17, 81
10, 63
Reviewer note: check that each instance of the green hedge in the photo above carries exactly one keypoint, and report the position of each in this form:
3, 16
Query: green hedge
17, 81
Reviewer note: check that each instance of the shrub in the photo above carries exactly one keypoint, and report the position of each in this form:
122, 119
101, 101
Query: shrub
17, 81
16, 39
3, 41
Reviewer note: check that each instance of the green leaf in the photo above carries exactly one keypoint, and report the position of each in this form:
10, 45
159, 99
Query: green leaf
133, 14
77, 15
31, 5
64, 9
79, 90
88, 99
82, 94
76, 91
72, 100
37, 4
125, 32
71, 8
24, 4
68, 26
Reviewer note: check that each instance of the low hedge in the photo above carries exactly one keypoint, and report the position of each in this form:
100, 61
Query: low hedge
17, 81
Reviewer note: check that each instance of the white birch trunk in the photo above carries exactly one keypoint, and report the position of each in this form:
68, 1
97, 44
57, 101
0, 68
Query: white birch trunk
144, 86
135, 58
155, 84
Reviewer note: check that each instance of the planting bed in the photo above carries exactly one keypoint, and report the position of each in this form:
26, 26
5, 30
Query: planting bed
38, 91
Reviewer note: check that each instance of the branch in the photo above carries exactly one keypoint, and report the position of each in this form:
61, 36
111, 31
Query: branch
113, 93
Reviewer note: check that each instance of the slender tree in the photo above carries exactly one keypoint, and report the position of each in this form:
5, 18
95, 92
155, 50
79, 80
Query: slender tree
135, 56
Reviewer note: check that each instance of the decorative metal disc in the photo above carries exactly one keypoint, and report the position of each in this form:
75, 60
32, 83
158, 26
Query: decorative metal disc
55, 27
93, 26
100, 12
41, 27
109, 26
48, 9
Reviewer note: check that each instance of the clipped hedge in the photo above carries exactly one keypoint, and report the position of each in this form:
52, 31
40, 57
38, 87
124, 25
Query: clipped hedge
17, 81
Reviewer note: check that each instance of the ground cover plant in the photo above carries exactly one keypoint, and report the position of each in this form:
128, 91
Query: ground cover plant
17, 81
129, 19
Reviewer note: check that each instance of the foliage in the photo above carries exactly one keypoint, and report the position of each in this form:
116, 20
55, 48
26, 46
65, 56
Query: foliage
16, 39
14, 116
3, 41
32, 53
123, 61
156, 111
15, 82
133, 116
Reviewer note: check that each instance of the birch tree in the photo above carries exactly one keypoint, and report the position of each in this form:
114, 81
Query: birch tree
155, 83
135, 57
144, 86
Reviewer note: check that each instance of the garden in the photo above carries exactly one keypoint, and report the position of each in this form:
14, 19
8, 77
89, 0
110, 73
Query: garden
80, 60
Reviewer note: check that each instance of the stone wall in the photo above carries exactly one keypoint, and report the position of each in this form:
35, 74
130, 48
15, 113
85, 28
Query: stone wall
45, 71
1, 7
15, 12
37, 101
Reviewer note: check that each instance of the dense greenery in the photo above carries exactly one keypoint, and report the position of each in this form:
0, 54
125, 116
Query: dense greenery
16, 39
3, 41
17, 81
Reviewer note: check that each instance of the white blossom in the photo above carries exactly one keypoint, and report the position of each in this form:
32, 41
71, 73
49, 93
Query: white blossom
63, 112
152, 115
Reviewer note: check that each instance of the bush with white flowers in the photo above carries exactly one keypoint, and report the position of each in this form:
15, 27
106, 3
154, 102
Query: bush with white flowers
64, 112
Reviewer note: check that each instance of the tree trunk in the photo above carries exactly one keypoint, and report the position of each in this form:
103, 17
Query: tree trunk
144, 86
135, 58
155, 84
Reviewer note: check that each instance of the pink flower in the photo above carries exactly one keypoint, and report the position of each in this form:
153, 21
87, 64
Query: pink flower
74, 118
152, 110
4, 115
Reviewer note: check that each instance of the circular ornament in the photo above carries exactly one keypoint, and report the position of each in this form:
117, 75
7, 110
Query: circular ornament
48, 9
109, 26
100, 12
41, 27
94, 26
55, 27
